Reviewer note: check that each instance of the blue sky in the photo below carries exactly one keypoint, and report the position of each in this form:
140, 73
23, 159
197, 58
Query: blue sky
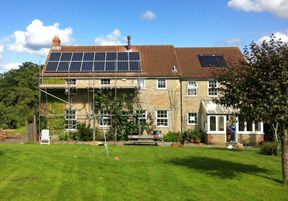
27, 27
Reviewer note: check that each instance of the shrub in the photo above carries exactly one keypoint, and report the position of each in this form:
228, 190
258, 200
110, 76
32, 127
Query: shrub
171, 137
270, 148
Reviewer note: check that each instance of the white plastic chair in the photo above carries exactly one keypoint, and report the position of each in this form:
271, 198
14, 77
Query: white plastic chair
45, 137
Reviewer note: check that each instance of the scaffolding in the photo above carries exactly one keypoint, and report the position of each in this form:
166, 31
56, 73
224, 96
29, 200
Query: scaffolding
90, 112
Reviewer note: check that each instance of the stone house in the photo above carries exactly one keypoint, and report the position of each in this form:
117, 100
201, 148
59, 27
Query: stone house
175, 86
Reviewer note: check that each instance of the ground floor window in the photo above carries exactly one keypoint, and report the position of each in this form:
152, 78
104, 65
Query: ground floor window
105, 119
192, 118
141, 116
216, 123
162, 118
249, 126
70, 119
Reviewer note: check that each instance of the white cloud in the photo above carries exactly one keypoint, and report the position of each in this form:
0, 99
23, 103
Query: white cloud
233, 42
37, 38
149, 15
278, 35
277, 7
113, 38
1, 52
4, 65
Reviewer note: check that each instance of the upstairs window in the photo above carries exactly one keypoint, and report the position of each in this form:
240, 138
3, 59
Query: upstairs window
71, 81
105, 81
141, 83
212, 88
192, 88
212, 60
161, 84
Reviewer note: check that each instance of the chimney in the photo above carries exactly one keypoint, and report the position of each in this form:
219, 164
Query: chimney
56, 43
128, 43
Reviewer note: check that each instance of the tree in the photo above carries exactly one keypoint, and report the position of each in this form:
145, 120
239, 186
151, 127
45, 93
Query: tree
258, 86
18, 95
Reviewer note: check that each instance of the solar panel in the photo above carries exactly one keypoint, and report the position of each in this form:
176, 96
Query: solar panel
122, 56
75, 66
63, 67
66, 56
88, 56
134, 56
110, 66
51, 66
111, 56
96, 61
212, 60
134, 66
87, 66
55, 56
100, 56
99, 66
78, 56
123, 66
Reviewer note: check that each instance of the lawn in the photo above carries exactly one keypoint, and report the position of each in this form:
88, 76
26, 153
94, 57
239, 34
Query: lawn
83, 172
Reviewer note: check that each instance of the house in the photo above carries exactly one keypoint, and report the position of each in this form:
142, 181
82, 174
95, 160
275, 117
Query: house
175, 86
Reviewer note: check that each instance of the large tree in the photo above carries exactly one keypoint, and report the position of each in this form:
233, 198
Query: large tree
258, 86
18, 95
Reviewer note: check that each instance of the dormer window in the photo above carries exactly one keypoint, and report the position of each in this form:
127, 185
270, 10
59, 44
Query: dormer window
212, 60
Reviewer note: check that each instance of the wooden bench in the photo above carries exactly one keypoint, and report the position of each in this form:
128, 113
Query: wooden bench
143, 140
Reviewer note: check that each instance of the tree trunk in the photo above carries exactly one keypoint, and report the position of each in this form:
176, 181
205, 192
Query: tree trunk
285, 155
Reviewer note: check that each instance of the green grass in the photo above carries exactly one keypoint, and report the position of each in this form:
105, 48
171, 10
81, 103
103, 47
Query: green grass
82, 172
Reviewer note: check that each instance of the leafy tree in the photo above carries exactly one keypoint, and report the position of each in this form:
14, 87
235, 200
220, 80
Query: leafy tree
120, 108
258, 86
18, 95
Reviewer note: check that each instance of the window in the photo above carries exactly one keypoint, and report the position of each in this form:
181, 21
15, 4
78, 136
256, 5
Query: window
72, 91
141, 83
105, 81
71, 81
212, 88
192, 88
257, 126
161, 84
249, 126
212, 123
105, 119
70, 119
162, 118
141, 116
216, 123
192, 118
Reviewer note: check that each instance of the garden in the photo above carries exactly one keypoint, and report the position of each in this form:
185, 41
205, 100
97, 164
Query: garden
83, 172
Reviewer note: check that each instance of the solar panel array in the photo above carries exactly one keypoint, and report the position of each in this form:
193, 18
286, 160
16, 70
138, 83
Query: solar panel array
93, 62
212, 60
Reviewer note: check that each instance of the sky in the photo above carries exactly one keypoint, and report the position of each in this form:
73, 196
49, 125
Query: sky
27, 27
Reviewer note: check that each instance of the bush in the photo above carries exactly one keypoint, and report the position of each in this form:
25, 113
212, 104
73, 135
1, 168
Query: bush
270, 148
171, 137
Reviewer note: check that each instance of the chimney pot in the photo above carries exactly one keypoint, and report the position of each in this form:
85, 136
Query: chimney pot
56, 42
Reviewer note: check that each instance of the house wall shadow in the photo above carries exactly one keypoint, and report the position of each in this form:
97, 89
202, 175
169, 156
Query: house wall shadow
218, 167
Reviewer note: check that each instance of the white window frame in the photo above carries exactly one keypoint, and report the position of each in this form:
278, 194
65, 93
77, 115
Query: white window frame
71, 81
212, 87
193, 114
105, 81
161, 79
253, 128
192, 87
71, 118
141, 118
162, 118
217, 131
105, 115
141, 83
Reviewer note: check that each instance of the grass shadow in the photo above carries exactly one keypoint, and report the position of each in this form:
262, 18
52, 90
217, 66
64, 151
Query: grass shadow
218, 167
